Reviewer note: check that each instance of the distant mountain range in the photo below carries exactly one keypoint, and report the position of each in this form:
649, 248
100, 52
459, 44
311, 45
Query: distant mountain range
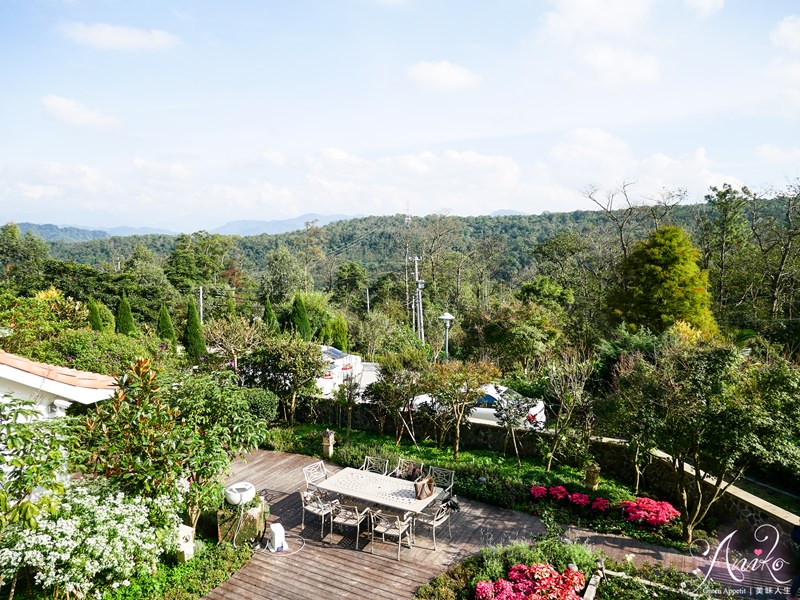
58, 233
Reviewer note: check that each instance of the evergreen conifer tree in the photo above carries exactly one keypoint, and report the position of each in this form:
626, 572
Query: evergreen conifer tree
300, 319
125, 324
269, 318
661, 283
164, 330
95, 320
338, 329
193, 341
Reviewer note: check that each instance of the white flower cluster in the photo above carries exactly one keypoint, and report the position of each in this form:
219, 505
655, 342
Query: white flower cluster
97, 538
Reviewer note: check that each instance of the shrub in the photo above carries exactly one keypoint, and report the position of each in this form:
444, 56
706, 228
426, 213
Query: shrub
97, 538
98, 351
537, 581
263, 403
654, 513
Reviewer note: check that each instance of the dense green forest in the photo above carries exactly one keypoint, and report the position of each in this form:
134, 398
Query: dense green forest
746, 245
671, 326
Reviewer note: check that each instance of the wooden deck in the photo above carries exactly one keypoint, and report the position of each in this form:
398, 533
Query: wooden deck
333, 568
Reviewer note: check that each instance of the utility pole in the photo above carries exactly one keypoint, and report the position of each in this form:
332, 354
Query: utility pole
201, 303
409, 305
418, 300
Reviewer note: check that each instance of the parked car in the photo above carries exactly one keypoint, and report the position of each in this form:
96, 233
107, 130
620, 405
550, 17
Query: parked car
485, 408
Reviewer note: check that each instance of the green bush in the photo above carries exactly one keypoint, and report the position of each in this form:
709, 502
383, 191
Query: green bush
99, 351
263, 403
212, 565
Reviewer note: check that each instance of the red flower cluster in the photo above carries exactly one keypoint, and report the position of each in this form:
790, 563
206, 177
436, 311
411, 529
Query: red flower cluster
538, 581
559, 492
646, 510
538, 491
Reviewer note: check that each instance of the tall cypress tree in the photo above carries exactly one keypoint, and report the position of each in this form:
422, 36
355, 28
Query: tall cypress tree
125, 324
300, 319
95, 320
164, 330
193, 340
269, 318
339, 337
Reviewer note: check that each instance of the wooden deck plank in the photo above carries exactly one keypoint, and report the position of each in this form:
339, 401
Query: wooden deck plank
333, 568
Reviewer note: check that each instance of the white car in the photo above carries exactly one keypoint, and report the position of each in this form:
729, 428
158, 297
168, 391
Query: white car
485, 407
484, 410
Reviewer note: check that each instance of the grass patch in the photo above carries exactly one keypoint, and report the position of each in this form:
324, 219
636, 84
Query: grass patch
211, 566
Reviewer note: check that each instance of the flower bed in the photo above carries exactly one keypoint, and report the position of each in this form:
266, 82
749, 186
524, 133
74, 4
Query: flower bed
644, 518
533, 582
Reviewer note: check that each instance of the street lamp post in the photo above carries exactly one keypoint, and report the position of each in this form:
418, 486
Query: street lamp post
448, 320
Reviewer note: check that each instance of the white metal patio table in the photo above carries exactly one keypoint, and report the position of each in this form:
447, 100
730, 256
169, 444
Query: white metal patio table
391, 492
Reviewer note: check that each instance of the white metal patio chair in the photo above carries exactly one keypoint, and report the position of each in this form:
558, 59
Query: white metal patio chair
433, 517
443, 478
314, 473
393, 526
314, 503
375, 465
349, 516
407, 469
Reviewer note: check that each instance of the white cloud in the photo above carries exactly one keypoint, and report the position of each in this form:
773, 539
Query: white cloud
573, 18
76, 176
704, 8
621, 63
443, 75
593, 157
785, 75
169, 170
72, 112
336, 159
116, 37
787, 34
36, 191
776, 154
274, 157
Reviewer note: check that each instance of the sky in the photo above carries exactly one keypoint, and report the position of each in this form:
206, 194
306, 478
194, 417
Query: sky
188, 114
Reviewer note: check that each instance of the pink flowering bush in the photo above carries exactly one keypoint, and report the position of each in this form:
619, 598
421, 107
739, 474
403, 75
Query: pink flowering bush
538, 581
538, 492
579, 499
575, 499
654, 513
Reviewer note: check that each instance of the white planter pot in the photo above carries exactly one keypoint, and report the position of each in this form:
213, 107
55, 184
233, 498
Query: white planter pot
240, 493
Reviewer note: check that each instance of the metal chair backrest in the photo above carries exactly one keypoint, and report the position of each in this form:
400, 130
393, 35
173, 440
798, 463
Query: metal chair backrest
375, 465
314, 473
443, 478
407, 469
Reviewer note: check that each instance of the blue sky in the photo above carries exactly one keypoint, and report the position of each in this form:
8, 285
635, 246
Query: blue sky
189, 114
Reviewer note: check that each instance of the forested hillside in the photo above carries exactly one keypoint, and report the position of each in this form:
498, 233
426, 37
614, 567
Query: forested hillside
651, 314
746, 244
